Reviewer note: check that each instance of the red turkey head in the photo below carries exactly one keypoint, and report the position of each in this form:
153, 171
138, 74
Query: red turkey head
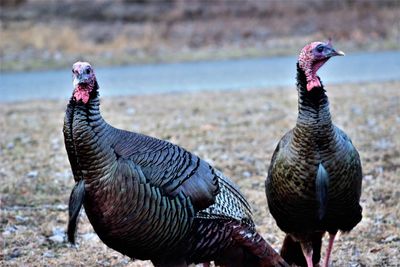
312, 57
84, 80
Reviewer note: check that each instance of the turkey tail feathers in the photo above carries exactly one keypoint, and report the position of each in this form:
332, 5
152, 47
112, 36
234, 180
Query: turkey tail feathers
254, 243
75, 203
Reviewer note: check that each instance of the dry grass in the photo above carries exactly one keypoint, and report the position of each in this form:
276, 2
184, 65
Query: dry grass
235, 131
44, 35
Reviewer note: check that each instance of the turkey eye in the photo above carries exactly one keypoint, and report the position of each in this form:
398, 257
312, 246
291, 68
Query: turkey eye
320, 48
87, 71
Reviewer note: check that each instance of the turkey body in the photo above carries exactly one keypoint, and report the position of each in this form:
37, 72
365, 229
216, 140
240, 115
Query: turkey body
314, 180
151, 199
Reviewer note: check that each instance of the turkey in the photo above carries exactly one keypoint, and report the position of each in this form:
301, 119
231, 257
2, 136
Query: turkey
314, 179
150, 199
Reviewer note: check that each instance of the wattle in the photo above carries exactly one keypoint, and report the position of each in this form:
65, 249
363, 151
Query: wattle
314, 82
81, 94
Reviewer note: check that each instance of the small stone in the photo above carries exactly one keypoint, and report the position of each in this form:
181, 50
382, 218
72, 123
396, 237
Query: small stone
368, 177
55, 144
57, 238
371, 122
224, 157
10, 230
64, 175
58, 231
357, 110
32, 174
135, 127
21, 219
125, 261
58, 235
61, 207
379, 170
201, 148
246, 174
26, 140
10, 146
89, 236
383, 144
378, 218
41, 240
49, 254
391, 238
130, 111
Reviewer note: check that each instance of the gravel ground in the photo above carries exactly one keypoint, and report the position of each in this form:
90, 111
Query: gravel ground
235, 131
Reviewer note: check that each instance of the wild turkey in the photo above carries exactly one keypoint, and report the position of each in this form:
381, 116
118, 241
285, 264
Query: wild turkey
314, 180
150, 199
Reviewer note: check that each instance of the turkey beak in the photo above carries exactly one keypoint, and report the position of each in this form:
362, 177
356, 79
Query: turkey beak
78, 79
332, 51
81, 78
336, 53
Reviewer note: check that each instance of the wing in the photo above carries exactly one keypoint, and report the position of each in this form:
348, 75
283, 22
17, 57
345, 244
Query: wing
137, 218
277, 159
69, 144
285, 187
345, 186
353, 156
170, 167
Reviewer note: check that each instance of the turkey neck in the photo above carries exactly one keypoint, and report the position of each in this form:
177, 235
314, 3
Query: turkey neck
314, 119
89, 135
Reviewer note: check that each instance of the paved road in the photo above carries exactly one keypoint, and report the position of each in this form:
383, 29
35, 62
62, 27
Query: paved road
205, 75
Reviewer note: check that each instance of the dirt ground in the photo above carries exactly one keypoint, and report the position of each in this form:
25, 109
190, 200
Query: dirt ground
235, 131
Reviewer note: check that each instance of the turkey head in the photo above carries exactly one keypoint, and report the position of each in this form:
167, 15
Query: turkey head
312, 57
84, 81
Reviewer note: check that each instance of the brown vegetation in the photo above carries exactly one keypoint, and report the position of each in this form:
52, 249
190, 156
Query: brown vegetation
47, 34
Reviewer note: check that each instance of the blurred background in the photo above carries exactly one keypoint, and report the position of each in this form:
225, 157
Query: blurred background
176, 63
47, 34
